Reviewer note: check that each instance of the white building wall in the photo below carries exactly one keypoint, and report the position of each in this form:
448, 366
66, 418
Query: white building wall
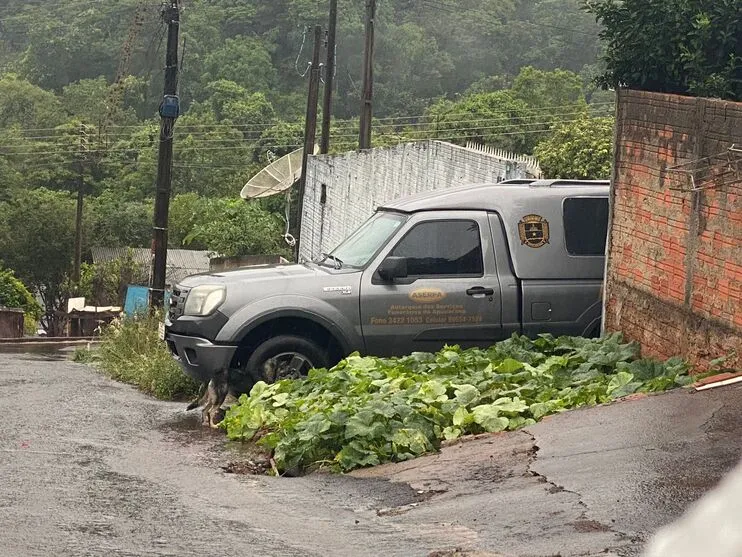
356, 183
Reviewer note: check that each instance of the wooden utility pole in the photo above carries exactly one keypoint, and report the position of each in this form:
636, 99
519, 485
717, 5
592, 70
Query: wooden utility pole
310, 126
329, 78
77, 264
364, 140
169, 112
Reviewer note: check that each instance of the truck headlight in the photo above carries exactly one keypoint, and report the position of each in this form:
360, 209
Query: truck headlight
204, 300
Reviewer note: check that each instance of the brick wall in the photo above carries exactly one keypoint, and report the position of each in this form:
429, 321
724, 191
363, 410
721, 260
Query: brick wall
674, 280
342, 191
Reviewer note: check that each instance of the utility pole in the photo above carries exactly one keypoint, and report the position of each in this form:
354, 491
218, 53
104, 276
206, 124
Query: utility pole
310, 127
77, 263
364, 140
169, 112
329, 78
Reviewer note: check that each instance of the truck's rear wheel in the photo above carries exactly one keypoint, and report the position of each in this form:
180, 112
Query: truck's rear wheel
285, 357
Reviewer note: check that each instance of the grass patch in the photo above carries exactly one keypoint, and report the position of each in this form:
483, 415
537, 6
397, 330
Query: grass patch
132, 352
368, 411
85, 355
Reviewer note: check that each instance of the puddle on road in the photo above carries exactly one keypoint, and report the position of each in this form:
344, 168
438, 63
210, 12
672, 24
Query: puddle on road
186, 429
41, 352
232, 457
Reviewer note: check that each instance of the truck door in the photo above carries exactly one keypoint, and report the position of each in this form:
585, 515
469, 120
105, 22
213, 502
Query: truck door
450, 294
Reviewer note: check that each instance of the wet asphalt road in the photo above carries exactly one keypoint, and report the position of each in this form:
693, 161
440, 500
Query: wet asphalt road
92, 467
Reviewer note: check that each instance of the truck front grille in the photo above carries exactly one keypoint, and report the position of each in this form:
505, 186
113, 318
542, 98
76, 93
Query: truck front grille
177, 302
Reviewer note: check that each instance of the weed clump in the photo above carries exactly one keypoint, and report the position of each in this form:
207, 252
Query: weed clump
132, 352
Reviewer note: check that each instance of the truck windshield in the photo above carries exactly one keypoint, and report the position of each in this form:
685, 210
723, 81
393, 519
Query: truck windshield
358, 249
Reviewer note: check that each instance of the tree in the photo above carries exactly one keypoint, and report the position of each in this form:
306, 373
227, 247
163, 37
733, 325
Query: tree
558, 90
232, 103
516, 118
213, 160
113, 221
25, 105
37, 229
580, 150
86, 100
407, 77
672, 46
10, 178
15, 295
242, 229
72, 40
187, 211
548, 34
243, 60
105, 284
278, 140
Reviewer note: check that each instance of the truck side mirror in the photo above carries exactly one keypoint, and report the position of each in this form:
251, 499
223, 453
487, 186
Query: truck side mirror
393, 268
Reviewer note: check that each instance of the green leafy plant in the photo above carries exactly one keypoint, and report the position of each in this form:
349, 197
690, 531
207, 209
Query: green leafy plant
582, 149
15, 295
672, 46
240, 229
368, 410
105, 283
132, 352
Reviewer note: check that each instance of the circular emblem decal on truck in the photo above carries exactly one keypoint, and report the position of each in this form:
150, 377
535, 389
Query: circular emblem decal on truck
534, 231
427, 295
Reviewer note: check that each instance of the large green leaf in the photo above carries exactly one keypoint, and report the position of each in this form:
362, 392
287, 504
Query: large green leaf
465, 394
487, 415
621, 379
462, 417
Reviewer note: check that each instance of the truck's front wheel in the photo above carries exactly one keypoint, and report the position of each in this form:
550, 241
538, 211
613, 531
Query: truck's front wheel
285, 357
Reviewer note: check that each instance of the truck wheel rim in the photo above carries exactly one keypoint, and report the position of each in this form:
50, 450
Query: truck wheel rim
288, 365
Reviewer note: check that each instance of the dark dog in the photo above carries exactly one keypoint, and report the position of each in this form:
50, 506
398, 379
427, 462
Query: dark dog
211, 396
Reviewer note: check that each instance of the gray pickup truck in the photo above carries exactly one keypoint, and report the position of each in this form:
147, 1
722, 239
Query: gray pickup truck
467, 266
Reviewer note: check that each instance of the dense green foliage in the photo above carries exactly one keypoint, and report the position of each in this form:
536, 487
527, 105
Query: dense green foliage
425, 48
132, 352
15, 295
105, 283
370, 410
582, 149
673, 46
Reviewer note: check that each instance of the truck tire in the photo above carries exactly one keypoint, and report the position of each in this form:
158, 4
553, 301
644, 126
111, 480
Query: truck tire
285, 357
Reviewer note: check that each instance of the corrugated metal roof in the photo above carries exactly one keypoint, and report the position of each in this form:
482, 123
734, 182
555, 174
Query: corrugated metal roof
180, 262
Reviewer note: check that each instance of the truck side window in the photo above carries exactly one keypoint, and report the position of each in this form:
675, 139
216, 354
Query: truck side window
443, 248
586, 225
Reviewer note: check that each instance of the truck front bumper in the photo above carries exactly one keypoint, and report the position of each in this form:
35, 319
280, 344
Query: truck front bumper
199, 358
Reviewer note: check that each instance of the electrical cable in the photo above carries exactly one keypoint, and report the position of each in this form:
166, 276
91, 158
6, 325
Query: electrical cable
288, 238
298, 56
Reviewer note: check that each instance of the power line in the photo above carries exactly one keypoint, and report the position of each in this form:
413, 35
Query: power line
514, 119
244, 144
245, 128
203, 136
347, 138
402, 139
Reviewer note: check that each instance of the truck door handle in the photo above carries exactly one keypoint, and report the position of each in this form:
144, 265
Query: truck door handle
481, 291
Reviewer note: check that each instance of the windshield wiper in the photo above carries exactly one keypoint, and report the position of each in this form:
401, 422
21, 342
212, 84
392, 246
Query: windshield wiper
338, 262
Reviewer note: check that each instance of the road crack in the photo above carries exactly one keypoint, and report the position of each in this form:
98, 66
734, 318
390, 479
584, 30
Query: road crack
553, 486
708, 424
583, 524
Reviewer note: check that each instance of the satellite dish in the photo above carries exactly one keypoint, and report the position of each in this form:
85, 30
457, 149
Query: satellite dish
277, 177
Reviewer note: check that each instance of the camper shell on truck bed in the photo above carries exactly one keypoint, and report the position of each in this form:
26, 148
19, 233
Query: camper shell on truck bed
470, 266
